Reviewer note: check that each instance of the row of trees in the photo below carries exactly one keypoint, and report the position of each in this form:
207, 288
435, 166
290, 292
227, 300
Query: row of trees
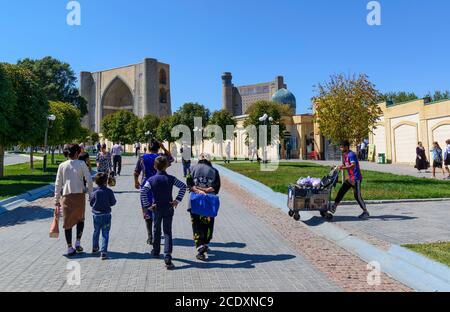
400, 97
124, 126
30, 91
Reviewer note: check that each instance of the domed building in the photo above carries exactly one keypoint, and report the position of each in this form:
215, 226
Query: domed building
284, 96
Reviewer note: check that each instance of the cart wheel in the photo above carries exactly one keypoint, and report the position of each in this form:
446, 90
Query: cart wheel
291, 213
297, 217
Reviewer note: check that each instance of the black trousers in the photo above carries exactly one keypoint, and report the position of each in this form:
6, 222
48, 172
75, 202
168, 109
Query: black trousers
117, 163
68, 233
203, 229
356, 192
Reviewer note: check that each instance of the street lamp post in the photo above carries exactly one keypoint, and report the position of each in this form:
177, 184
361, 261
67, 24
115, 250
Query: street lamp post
50, 118
266, 120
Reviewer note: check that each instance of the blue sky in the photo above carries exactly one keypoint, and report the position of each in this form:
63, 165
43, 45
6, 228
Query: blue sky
306, 41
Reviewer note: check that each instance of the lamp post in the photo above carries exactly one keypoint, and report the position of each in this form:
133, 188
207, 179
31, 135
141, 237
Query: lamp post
266, 120
50, 118
197, 131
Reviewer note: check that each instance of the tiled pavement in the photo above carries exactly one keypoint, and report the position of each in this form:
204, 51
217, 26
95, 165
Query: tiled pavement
248, 255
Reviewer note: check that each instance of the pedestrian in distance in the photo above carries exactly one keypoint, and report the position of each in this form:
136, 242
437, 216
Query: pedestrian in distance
421, 158
437, 159
101, 202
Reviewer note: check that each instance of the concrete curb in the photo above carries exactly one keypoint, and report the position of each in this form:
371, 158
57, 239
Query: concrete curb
396, 201
419, 273
12, 203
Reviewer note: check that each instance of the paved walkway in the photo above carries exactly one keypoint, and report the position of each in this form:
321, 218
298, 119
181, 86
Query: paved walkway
15, 159
403, 223
248, 255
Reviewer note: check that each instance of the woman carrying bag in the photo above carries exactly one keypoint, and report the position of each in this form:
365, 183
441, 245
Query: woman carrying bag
204, 183
70, 197
104, 165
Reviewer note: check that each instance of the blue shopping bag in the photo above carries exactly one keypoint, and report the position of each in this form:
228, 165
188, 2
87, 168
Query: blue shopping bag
205, 205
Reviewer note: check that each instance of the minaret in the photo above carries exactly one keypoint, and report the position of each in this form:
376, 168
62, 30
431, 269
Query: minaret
227, 92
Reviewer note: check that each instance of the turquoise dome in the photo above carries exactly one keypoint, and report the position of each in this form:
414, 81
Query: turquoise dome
284, 96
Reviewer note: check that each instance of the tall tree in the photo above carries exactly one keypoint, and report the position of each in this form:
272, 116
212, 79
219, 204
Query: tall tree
57, 79
164, 130
31, 111
7, 107
275, 110
346, 108
150, 124
186, 114
120, 127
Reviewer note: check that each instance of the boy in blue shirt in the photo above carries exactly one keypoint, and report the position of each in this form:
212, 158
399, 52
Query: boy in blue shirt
101, 202
160, 186
353, 181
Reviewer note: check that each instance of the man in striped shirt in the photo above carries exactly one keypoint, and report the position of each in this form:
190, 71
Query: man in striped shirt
163, 206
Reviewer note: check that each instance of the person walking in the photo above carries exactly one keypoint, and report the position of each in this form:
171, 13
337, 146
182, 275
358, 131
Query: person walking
353, 181
175, 152
70, 198
146, 167
101, 202
159, 188
288, 150
99, 147
137, 149
116, 152
205, 180
421, 158
228, 152
103, 161
447, 158
437, 159
84, 156
186, 155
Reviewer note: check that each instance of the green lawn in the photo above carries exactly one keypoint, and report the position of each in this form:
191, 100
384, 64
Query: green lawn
20, 178
376, 185
437, 251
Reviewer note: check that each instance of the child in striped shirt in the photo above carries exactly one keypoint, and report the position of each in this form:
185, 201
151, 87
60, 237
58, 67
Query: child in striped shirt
163, 206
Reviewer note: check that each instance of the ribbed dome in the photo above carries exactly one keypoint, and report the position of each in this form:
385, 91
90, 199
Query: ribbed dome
284, 96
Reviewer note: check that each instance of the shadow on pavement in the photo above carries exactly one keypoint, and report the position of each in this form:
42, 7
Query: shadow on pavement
23, 215
190, 243
112, 255
315, 221
242, 260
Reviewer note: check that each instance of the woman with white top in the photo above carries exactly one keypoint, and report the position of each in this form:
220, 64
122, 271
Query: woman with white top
70, 196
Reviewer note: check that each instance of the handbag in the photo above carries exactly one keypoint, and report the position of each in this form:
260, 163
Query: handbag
112, 180
205, 205
54, 227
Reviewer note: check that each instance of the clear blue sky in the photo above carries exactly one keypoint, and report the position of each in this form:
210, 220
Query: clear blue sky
306, 41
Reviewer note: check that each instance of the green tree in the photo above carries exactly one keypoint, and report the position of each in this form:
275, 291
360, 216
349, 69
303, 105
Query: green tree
399, 97
164, 130
95, 137
275, 110
186, 114
222, 118
150, 124
8, 102
346, 108
120, 127
439, 95
67, 126
31, 110
57, 79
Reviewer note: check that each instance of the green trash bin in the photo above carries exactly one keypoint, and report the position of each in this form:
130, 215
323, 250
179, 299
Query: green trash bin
382, 158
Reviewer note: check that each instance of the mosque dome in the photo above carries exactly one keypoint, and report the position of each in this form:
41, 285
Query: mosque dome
284, 96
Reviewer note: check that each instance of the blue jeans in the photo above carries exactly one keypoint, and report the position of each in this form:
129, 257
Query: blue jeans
102, 223
186, 167
165, 219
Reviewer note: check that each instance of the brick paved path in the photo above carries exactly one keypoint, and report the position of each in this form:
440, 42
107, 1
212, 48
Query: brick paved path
248, 254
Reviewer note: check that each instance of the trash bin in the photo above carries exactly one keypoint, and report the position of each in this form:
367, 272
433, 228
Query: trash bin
382, 158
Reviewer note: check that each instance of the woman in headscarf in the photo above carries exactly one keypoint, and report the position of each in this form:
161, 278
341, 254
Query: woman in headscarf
70, 197
104, 163
204, 179
421, 158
